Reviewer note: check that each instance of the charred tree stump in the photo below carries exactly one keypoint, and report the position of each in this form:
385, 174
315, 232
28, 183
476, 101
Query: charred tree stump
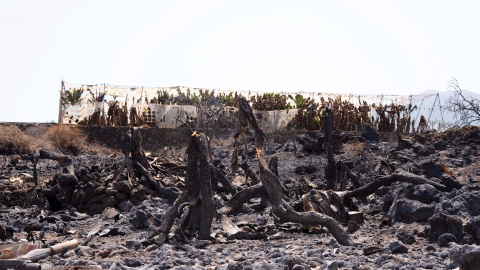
36, 157
206, 195
198, 190
331, 169
273, 187
234, 162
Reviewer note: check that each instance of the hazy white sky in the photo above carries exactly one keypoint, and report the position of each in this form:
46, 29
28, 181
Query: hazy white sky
391, 47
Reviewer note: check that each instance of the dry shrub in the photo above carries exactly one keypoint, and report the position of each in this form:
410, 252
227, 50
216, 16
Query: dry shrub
37, 131
13, 140
66, 139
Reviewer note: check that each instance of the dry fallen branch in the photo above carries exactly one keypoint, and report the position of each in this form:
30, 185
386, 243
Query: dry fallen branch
136, 160
160, 235
236, 202
64, 161
399, 176
217, 177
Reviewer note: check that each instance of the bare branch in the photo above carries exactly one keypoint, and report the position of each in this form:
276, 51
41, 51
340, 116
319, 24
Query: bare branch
465, 108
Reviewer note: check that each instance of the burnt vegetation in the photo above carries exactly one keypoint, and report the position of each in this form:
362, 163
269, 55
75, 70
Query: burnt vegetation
346, 186
349, 116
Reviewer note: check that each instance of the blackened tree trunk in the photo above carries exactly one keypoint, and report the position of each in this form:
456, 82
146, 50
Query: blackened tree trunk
331, 168
198, 189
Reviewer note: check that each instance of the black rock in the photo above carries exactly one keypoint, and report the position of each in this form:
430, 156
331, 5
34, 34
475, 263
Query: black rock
370, 133
109, 202
132, 262
123, 186
139, 193
413, 211
429, 167
445, 239
33, 225
67, 180
217, 162
120, 196
423, 193
290, 147
463, 203
310, 145
125, 206
133, 244
398, 247
404, 143
406, 237
96, 208
140, 220
110, 193
472, 231
371, 250
440, 145
449, 182
298, 267
423, 150
466, 256
79, 197
441, 223
99, 190
301, 170
113, 231
110, 213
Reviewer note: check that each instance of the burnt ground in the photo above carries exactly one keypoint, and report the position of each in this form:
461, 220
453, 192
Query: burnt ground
405, 225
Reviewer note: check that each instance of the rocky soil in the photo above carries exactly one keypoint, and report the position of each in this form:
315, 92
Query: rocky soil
403, 225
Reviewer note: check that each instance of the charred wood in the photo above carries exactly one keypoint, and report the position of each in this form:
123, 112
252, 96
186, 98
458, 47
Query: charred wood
399, 176
273, 187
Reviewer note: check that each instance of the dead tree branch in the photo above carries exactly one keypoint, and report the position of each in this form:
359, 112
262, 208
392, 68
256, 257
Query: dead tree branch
236, 202
136, 160
466, 108
218, 177
400, 176
208, 117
